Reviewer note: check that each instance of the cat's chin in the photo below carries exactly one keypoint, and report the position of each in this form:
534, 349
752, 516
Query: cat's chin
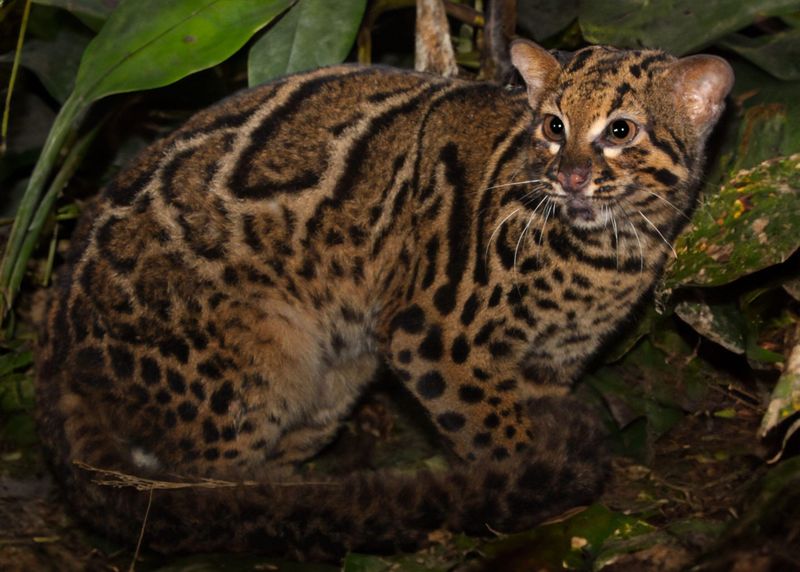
584, 213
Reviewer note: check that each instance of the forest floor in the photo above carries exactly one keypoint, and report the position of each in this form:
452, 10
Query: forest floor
688, 505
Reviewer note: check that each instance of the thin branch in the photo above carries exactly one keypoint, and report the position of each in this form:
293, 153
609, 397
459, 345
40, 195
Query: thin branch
433, 47
111, 478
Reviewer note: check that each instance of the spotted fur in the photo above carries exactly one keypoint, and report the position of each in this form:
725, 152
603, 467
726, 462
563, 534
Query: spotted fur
239, 284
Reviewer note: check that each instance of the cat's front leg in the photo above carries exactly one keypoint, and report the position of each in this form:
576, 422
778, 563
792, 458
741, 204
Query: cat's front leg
485, 403
530, 450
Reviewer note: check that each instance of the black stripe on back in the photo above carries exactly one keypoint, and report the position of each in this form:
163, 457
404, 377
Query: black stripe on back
481, 271
238, 180
347, 181
458, 228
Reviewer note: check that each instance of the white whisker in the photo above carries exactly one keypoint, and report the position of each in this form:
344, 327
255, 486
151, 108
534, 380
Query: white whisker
677, 210
675, 254
635, 234
521, 237
514, 183
616, 235
547, 210
497, 228
516, 249
639, 242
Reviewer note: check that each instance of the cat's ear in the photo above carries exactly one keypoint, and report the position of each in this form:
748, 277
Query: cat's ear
536, 66
700, 85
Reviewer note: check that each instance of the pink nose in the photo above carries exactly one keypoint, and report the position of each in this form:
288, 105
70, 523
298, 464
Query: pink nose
574, 179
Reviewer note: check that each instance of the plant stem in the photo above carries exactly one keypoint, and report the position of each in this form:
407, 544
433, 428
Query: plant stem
45, 207
70, 114
14, 68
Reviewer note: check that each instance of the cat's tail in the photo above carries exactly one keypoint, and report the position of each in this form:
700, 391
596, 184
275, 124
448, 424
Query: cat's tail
375, 511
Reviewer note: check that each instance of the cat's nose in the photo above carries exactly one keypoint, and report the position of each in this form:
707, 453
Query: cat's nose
573, 179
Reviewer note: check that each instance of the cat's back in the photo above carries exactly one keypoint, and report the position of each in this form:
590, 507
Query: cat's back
317, 133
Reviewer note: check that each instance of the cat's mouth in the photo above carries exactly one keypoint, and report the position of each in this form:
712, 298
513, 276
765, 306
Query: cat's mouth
579, 207
583, 211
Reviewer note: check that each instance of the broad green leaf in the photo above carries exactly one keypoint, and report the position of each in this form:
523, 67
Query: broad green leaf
313, 33
792, 19
678, 26
767, 318
779, 53
763, 132
152, 43
785, 400
646, 393
625, 344
762, 122
721, 323
545, 18
565, 545
16, 393
751, 224
630, 405
792, 288
12, 361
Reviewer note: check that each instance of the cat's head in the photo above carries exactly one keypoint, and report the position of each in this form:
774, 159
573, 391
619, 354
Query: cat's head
613, 127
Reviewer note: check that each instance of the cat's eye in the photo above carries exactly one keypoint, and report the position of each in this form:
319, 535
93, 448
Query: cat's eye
620, 131
553, 128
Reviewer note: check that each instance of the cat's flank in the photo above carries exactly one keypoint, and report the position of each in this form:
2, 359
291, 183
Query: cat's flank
240, 283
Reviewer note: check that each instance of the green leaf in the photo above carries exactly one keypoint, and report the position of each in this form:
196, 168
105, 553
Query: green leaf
677, 26
785, 400
792, 287
13, 361
767, 126
152, 43
625, 344
751, 224
661, 416
779, 54
545, 18
313, 33
565, 545
720, 322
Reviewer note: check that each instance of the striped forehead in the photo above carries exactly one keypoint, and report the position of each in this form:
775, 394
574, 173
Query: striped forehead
598, 81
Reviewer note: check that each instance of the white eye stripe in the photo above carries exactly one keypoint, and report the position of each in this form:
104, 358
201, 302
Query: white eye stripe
596, 129
600, 126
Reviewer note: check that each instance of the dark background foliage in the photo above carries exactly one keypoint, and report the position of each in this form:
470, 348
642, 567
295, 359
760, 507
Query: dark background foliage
701, 397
